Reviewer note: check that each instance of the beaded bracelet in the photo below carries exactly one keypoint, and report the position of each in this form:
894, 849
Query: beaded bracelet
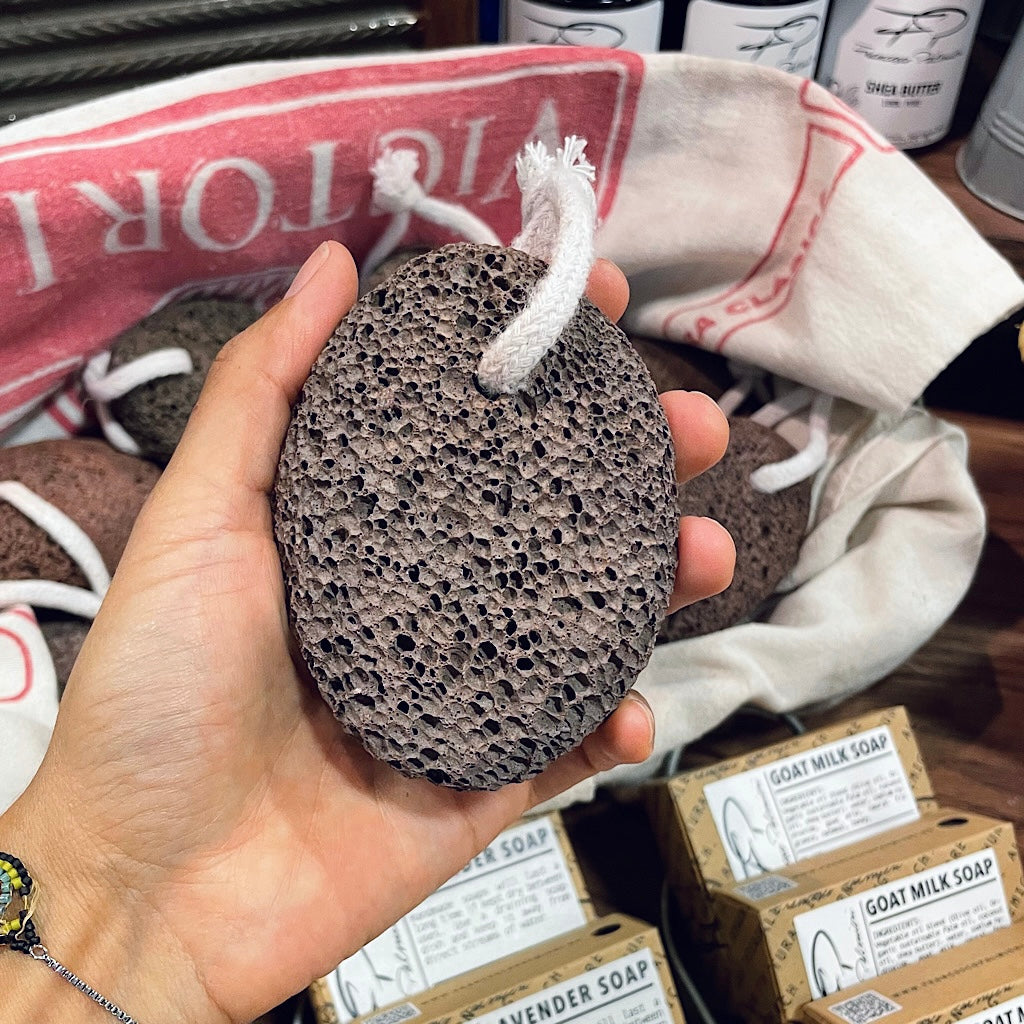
18, 895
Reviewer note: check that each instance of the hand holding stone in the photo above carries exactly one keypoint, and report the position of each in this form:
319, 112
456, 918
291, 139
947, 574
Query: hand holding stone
198, 798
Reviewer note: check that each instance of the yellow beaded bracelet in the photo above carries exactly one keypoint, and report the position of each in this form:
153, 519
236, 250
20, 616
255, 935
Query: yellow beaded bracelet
18, 895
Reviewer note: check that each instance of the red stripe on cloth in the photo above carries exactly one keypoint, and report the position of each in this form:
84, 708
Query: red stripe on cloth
99, 226
26, 655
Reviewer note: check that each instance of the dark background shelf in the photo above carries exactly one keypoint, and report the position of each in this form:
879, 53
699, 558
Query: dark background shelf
53, 55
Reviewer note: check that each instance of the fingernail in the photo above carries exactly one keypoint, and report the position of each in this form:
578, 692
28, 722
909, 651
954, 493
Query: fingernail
705, 397
641, 702
308, 270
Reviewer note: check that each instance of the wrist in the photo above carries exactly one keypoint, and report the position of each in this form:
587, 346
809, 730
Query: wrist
94, 923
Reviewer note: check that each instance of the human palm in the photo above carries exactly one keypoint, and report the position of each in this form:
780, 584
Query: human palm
212, 813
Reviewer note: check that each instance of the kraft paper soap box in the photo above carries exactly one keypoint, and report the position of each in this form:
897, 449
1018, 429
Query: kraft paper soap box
611, 971
781, 804
524, 888
981, 982
828, 923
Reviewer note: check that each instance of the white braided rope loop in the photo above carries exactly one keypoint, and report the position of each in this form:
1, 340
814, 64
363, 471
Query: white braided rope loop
397, 191
732, 399
104, 386
777, 476
559, 212
74, 540
750, 380
772, 413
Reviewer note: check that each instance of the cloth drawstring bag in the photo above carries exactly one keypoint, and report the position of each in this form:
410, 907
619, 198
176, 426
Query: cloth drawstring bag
753, 213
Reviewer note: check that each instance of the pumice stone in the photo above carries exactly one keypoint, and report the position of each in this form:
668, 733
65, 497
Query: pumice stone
474, 582
389, 265
101, 489
767, 529
154, 414
683, 367
64, 635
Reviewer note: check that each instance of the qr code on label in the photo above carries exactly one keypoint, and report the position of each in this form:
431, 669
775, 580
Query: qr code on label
765, 886
865, 1007
397, 1014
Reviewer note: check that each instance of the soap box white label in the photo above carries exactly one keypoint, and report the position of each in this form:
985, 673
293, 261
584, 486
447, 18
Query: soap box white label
1010, 1012
514, 894
625, 991
901, 922
811, 802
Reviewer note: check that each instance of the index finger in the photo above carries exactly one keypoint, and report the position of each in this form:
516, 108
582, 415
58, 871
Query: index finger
608, 289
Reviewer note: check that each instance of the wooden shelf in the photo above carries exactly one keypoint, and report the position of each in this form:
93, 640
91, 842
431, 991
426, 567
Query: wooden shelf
450, 22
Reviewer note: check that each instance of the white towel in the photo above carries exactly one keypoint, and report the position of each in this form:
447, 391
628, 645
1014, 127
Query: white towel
28, 700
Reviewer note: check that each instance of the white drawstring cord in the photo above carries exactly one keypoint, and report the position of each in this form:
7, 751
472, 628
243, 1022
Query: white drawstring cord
559, 211
397, 191
777, 476
74, 540
772, 413
104, 387
749, 379
732, 399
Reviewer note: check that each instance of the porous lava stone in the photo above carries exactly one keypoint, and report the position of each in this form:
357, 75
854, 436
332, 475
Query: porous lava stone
475, 583
389, 265
155, 414
64, 635
101, 489
683, 367
767, 529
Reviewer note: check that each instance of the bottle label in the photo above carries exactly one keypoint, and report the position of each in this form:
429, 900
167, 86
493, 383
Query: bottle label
786, 37
900, 65
633, 28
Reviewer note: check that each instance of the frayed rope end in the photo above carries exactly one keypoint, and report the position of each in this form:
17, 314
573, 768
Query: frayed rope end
395, 188
535, 162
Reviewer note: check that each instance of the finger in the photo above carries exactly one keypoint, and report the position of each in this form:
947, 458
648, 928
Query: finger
608, 289
234, 435
700, 431
625, 737
707, 558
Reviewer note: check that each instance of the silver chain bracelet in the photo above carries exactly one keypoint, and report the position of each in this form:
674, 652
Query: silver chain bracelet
40, 952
